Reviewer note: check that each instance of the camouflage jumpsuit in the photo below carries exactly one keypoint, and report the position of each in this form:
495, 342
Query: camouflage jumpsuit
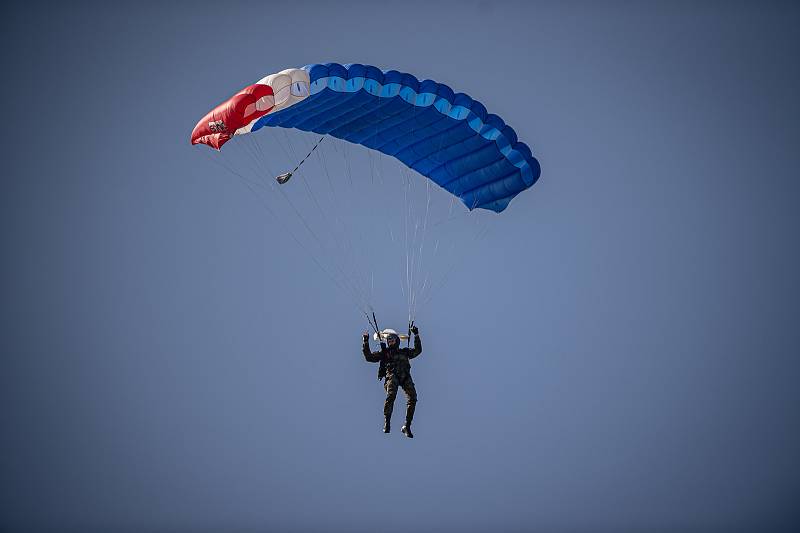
395, 363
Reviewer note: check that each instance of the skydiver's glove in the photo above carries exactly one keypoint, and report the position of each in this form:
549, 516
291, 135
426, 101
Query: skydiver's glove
415, 330
365, 337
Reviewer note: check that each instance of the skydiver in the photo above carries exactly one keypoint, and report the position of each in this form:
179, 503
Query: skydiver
396, 369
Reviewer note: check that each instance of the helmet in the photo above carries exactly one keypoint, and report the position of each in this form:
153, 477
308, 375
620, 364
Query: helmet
390, 336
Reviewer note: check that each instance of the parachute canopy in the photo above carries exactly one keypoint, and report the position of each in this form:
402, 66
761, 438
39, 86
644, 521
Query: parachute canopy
445, 136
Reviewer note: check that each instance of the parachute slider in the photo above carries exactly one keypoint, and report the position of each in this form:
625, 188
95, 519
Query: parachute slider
283, 178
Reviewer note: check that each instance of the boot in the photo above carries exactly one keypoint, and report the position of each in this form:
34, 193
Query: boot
387, 426
409, 417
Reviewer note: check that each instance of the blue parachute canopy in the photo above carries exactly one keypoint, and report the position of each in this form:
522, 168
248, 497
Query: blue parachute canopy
445, 136
448, 137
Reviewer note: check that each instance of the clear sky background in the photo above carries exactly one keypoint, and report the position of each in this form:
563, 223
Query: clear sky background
619, 354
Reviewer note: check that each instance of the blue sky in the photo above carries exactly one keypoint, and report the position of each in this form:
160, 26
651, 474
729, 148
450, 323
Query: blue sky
619, 353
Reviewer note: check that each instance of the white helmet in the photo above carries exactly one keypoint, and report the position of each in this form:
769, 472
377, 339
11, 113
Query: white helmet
385, 334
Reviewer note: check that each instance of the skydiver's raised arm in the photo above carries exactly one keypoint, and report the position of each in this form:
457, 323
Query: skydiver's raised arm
417, 344
370, 356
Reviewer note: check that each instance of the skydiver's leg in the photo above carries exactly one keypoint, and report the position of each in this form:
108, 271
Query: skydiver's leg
388, 405
411, 403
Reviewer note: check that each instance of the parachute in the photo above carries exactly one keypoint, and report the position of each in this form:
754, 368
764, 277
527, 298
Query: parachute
445, 136
448, 138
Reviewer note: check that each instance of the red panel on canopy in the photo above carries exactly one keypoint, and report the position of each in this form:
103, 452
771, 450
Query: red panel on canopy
219, 125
